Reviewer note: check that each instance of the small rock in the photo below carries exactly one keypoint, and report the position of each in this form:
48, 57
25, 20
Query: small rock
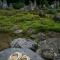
18, 31
45, 50
30, 31
4, 55
22, 42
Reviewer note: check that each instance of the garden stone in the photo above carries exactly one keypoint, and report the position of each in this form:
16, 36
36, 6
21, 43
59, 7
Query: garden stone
23, 42
49, 47
45, 50
4, 55
42, 36
16, 30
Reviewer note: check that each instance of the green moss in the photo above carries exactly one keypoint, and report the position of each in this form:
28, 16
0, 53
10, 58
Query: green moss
25, 20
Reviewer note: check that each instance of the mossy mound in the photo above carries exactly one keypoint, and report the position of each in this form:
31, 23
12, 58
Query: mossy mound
26, 20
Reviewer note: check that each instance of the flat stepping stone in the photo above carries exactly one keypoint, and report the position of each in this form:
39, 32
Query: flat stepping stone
4, 55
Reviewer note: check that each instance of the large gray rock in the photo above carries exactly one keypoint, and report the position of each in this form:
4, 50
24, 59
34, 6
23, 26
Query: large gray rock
4, 55
49, 47
45, 50
22, 42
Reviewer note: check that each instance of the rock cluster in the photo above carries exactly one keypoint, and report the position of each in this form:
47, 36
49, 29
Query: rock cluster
47, 48
21, 47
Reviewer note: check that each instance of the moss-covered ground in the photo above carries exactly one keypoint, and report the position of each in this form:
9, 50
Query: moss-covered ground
26, 20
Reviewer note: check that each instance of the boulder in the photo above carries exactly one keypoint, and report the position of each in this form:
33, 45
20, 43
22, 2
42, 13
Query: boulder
22, 42
48, 47
45, 50
4, 55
